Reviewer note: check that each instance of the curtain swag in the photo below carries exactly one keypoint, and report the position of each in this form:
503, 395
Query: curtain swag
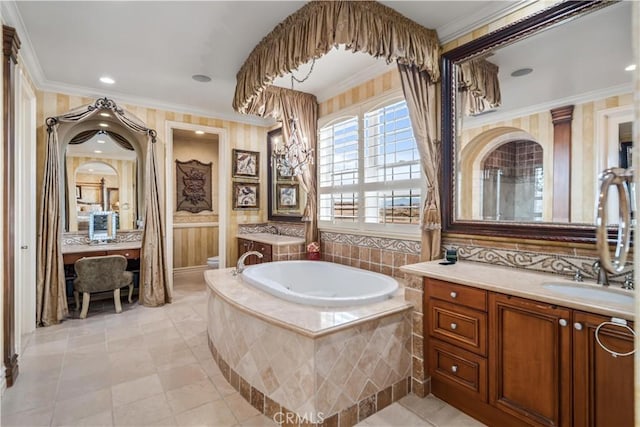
51, 303
319, 26
283, 105
479, 86
86, 135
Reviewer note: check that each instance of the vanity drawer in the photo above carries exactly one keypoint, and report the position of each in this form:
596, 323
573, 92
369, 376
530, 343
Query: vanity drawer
459, 294
464, 370
127, 253
461, 326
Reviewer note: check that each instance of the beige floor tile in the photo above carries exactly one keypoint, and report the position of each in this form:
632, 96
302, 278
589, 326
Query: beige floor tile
172, 356
142, 412
192, 395
462, 420
224, 388
83, 406
102, 419
423, 407
215, 414
202, 353
395, 415
32, 418
129, 343
180, 376
240, 407
78, 386
258, 421
138, 389
23, 397
128, 371
444, 415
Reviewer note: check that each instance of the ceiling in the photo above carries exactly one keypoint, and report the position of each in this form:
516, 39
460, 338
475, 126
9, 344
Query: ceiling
152, 48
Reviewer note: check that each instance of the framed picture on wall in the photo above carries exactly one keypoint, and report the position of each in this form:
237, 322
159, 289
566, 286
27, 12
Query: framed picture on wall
246, 164
287, 197
246, 196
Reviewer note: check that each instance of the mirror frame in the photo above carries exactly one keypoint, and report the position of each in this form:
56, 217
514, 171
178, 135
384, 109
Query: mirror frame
518, 30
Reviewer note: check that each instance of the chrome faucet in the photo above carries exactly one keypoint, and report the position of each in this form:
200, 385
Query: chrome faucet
240, 265
601, 273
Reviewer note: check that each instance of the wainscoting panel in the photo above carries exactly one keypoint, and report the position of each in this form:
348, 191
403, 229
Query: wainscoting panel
193, 245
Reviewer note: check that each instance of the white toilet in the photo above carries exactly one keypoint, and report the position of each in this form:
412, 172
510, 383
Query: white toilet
213, 262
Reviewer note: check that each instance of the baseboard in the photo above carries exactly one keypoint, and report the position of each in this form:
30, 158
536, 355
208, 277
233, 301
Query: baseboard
3, 381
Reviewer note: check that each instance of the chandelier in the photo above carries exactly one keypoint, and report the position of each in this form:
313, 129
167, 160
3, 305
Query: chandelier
291, 157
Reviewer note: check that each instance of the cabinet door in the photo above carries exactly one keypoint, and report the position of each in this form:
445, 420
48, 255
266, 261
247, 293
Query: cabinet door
530, 365
603, 384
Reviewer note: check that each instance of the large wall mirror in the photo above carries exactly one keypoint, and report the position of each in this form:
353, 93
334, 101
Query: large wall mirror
102, 167
532, 113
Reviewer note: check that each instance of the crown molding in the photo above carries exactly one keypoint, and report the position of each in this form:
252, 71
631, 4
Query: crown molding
466, 24
475, 122
11, 16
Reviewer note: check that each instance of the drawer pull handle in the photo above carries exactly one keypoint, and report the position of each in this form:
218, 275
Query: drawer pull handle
562, 322
127, 254
577, 326
454, 326
453, 294
454, 368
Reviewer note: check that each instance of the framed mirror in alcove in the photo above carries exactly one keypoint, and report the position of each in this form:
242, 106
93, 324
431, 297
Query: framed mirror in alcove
286, 199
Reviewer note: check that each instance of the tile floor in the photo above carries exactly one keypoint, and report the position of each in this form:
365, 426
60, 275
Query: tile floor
152, 366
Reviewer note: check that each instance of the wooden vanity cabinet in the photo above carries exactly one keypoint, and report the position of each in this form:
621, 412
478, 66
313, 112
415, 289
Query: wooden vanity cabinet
519, 362
530, 361
245, 245
603, 393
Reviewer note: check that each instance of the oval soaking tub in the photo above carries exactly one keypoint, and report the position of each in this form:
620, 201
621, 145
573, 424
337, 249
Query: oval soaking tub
320, 283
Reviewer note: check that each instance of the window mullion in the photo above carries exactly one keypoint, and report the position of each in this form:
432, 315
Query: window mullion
361, 160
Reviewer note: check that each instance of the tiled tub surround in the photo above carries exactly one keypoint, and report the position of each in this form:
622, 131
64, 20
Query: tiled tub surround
336, 366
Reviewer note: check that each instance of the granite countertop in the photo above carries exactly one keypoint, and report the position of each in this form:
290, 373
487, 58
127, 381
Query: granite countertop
272, 239
522, 283
307, 320
70, 249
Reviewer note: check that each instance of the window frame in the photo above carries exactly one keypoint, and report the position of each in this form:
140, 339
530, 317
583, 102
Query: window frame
360, 226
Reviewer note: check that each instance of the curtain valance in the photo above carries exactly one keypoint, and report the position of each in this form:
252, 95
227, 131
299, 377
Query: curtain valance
479, 86
319, 26
86, 135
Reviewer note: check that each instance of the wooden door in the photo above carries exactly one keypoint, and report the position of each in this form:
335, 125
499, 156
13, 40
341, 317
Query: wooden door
530, 360
603, 384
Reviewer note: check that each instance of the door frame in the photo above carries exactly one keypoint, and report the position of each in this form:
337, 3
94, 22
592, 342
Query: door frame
224, 165
25, 208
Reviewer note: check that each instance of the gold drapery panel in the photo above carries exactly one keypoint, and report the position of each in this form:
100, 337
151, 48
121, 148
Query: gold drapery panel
479, 86
319, 26
284, 105
420, 94
86, 135
51, 301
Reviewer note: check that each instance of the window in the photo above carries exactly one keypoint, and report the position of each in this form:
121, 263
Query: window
369, 170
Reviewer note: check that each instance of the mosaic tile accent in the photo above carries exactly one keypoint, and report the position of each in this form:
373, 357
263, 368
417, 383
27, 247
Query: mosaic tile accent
356, 371
82, 238
397, 245
562, 264
283, 228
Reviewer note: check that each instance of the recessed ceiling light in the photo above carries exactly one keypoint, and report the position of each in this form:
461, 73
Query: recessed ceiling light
631, 67
97, 151
104, 125
521, 72
101, 141
199, 132
105, 114
201, 78
107, 80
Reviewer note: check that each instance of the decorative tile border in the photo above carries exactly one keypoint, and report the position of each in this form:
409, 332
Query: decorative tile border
82, 238
398, 245
563, 264
283, 228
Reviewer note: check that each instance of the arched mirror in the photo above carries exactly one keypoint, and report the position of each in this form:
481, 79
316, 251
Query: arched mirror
102, 167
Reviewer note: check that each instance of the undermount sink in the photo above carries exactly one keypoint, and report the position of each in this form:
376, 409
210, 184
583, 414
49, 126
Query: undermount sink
592, 293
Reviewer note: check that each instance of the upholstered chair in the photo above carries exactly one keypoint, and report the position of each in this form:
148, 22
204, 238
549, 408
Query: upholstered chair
100, 274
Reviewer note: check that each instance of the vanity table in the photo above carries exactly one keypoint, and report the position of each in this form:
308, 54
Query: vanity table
512, 347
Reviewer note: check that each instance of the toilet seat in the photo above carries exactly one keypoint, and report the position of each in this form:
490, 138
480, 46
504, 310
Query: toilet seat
213, 262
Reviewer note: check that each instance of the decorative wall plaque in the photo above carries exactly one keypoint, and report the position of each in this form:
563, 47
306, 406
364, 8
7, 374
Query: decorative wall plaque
193, 186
